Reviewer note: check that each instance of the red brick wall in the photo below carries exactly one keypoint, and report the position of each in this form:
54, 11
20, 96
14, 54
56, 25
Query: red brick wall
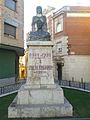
78, 31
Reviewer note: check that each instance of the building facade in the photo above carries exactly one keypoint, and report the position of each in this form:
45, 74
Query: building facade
71, 37
11, 39
48, 12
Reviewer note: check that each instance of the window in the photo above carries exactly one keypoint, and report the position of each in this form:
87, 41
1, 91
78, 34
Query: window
59, 27
11, 4
9, 30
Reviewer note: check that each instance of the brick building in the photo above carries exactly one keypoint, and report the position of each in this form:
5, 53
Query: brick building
71, 37
11, 39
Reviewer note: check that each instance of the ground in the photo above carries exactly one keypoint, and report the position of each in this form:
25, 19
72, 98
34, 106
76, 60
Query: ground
80, 101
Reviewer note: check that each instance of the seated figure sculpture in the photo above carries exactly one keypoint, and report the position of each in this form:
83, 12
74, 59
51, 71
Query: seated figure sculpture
39, 27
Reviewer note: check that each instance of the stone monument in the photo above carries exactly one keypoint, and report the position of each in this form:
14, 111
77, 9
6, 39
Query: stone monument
40, 96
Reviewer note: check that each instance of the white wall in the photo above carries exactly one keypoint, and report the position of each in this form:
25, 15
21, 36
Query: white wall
77, 66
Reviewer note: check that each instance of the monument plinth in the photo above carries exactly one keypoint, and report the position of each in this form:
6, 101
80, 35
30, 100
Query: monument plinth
40, 66
40, 96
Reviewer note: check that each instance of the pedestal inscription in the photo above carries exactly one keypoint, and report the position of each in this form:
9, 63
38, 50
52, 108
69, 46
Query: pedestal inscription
40, 65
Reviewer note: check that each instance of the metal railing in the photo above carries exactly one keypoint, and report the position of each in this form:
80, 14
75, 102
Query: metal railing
17, 85
11, 87
76, 84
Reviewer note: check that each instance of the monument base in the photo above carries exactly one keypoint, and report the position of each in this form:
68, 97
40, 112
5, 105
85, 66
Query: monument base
40, 97
42, 102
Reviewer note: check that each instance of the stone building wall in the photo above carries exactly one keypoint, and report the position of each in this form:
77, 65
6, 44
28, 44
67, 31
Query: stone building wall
11, 47
77, 68
59, 50
74, 68
15, 18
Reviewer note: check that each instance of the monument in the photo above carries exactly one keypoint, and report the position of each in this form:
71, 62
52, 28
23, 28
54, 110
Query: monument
40, 96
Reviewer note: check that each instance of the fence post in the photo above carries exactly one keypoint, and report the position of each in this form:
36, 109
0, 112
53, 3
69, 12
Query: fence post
2, 90
84, 85
69, 83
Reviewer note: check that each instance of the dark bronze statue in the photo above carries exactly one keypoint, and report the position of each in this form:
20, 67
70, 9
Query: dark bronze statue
39, 27
39, 16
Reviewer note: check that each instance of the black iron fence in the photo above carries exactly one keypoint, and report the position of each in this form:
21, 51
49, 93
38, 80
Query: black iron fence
11, 87
76, 84
17, 85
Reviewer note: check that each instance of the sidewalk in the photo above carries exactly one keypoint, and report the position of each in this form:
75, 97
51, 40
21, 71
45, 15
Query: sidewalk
54, 119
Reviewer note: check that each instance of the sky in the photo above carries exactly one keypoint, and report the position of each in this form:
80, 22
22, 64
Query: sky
30, 9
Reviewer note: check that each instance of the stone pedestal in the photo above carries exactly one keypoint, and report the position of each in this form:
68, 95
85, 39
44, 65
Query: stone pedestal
40, 97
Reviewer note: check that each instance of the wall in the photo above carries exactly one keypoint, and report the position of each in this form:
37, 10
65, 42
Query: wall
77, 67
16, 18
77, 27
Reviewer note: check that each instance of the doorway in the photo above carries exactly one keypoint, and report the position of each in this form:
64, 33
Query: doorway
59, 69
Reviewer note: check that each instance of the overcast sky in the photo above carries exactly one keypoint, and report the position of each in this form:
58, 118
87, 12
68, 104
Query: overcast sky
30, 8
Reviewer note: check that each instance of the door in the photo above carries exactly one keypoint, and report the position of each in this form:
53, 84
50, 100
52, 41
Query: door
59, 69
